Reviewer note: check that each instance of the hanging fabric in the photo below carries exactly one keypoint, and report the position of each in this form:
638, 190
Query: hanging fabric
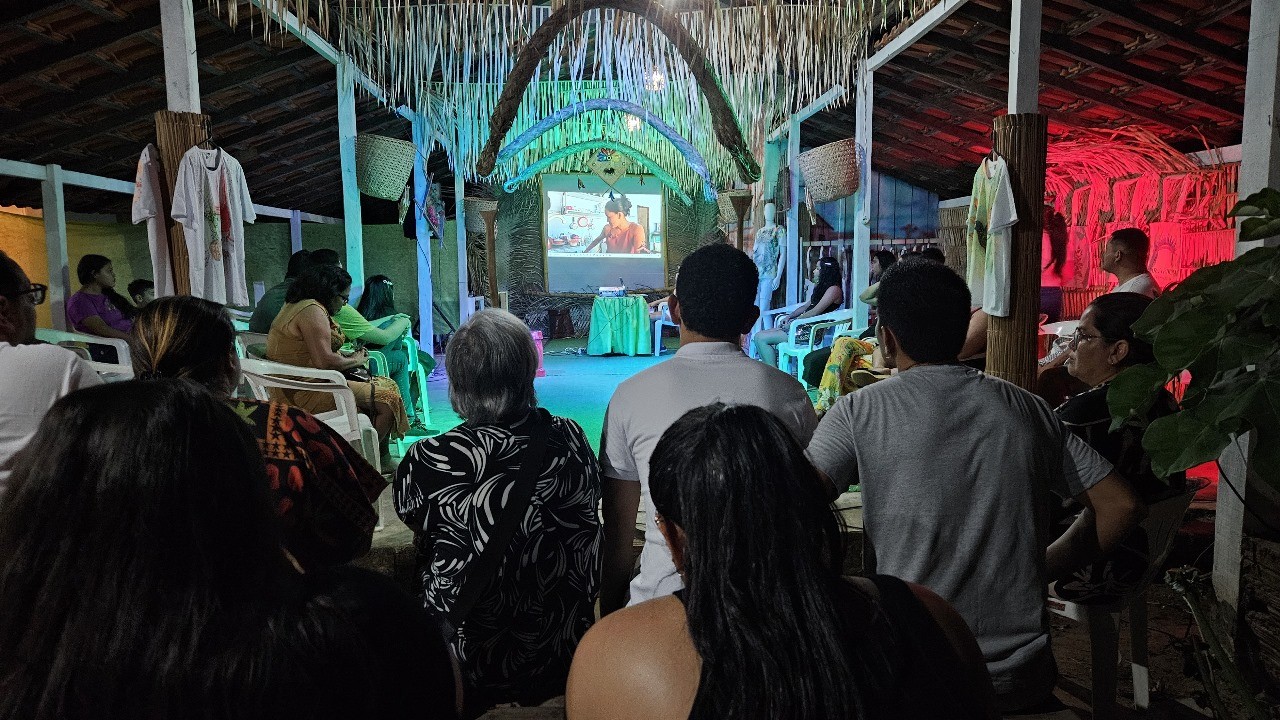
989, 238
211, 200
146, 206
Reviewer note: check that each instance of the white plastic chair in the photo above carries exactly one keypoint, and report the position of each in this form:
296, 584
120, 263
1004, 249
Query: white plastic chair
240, 318
246, 340
832, 322
769, 320
346, 419
110, 372
1162, 523
663, 320
417, 377
58, 337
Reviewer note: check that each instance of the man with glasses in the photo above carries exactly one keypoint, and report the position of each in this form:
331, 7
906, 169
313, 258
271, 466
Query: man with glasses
32, 376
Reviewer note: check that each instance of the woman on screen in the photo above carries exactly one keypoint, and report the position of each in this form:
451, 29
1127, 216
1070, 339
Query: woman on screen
620, 235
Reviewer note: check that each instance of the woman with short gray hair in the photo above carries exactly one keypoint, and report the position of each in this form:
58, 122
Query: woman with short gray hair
504, 514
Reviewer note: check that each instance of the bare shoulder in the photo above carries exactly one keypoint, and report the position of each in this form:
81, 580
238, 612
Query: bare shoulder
638, 662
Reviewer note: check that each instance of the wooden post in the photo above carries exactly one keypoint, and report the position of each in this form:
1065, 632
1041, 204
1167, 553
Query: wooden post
795, 273
181, 74
741, 204
460, 223
55, 243
426, 291
860, 272
295, 231
491, 255
1259, 168
1024, 57
351, 216
176, 133
1022, 140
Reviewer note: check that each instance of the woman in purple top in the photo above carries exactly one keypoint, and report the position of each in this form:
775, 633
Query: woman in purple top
97, 309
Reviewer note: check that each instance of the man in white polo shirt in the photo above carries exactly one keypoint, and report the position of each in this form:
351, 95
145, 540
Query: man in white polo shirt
32, 377
714, 305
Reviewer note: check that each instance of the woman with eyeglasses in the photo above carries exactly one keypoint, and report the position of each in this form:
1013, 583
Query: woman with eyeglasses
1104, 345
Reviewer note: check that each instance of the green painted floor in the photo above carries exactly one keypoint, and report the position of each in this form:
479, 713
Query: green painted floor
576, 386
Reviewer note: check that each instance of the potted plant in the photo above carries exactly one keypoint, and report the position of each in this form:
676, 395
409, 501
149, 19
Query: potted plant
1221, 326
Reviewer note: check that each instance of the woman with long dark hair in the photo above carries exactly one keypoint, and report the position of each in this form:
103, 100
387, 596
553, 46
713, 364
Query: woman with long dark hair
142, 576
96, 308
827, 295
766, 627
378, 302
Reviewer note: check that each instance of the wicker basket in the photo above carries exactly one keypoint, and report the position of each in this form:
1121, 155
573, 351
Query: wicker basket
471, 209
831, 171
724, 199
383, 165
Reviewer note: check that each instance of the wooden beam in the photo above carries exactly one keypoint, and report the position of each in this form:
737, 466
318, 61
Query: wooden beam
137, 114
87, 41
1172, 32
422, 139
927, 22
822, 103
863, 133
976, 87
17, 11
1105, 61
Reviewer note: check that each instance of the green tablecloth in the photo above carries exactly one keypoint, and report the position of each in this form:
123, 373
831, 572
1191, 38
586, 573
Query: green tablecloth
620, 325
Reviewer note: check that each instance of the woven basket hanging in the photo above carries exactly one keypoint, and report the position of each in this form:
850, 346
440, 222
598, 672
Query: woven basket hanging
383, 165
471, 209
724, 200
831, 171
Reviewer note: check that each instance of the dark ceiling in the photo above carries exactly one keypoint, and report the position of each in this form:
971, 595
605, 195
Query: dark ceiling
80, 81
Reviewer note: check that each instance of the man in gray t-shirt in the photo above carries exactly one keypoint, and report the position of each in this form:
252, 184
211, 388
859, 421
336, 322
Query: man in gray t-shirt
956, 468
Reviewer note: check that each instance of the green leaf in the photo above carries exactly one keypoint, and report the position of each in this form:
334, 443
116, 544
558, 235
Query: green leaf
1271, 314
1259, 228
1188, 334
1132, 393
1243, 349
1181, 441
1264, 202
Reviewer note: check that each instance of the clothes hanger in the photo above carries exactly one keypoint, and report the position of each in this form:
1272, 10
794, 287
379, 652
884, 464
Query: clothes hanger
212, 143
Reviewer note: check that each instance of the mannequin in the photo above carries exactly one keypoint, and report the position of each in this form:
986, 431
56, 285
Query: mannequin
769, 257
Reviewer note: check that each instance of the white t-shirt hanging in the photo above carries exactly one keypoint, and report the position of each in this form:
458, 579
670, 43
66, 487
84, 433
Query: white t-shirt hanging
146, 206
211, 200
991, 216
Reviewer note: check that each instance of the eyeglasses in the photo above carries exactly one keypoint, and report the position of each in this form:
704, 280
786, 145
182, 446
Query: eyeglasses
1078, 337
37, 292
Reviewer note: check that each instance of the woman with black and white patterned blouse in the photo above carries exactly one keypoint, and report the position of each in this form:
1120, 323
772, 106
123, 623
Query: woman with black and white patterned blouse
516, 644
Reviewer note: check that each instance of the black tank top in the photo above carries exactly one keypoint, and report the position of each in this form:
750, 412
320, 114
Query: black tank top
919, 671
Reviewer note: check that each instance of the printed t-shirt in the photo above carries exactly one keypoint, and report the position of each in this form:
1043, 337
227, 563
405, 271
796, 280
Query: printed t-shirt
962, 505
211, 200
646, 404
988, 237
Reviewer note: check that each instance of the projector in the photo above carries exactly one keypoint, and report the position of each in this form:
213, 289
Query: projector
613, 291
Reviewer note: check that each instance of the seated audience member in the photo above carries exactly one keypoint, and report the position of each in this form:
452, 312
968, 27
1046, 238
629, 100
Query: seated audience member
520, 606
1103, 345
963, 508
1125, 256
714, 305
273, 299
827, 296
304, 333
142, 292
765, 626
321, 487
378, 301
32, 376
384, 334
142, 576
851, 364
97, 309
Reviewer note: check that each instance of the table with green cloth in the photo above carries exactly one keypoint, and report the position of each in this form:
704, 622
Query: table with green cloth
620, 325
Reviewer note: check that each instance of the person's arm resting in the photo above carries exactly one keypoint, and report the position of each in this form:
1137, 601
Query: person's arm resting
621, 501
97, 326
832, 450
1112, 511
314, 326
387, 335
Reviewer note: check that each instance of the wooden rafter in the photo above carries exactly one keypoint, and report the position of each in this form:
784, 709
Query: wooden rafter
1169, 32
19, 66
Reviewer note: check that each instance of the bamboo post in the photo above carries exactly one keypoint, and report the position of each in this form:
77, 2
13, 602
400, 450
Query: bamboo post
741, 203
491, 255
176, 133
1022, 140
